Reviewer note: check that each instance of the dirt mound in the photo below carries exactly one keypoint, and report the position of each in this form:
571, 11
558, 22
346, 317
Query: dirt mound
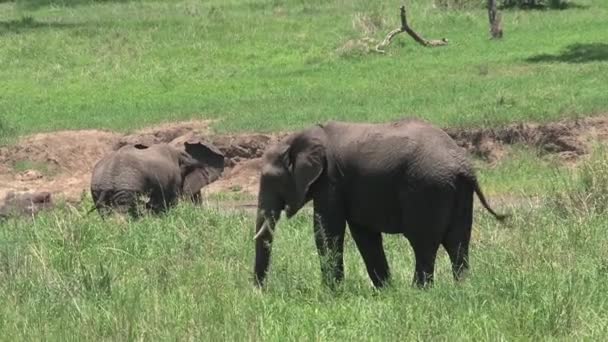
61, 162
59, 151
568, 139
242, 178
164, 133
241, 147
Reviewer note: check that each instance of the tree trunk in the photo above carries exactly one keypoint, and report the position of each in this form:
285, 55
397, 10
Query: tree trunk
495, 20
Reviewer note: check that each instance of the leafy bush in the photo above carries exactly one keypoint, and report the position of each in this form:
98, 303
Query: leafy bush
468, 4
557, 4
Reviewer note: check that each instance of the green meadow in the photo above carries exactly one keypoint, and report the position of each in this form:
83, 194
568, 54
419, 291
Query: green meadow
269, 65
277, 65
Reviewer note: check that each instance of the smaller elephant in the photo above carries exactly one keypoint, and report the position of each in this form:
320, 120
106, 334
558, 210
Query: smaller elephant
24, 204
160, 172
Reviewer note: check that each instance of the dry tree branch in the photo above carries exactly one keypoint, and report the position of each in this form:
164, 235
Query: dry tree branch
406, 28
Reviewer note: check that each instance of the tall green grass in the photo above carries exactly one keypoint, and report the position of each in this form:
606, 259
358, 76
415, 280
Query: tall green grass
187, 275
272, 65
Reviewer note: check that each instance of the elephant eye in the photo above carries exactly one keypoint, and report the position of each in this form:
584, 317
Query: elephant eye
271, 171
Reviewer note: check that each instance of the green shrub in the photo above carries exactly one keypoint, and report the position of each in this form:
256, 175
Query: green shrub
557, 4
469, 4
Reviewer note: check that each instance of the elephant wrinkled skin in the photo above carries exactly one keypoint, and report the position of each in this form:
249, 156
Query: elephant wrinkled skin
160, 172
406, 177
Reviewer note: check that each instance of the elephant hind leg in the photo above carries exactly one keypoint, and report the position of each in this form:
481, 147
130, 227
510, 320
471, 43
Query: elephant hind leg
160, 201
102, 201
372, 251
425, 253
457, 238
426, 213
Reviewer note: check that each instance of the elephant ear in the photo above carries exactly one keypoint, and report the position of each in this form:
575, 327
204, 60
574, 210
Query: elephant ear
202, 163
308, 159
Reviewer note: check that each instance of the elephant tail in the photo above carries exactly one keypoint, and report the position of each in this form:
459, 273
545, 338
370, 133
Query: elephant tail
93, 208
484, 202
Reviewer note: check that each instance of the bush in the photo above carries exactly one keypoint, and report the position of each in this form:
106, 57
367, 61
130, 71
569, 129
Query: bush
469, 4
557, 4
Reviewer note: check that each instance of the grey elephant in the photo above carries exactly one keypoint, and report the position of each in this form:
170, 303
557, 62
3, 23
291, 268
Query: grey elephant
160, 172
406, 177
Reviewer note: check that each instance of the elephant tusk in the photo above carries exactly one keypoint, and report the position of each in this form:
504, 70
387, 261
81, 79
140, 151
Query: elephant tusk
265, 227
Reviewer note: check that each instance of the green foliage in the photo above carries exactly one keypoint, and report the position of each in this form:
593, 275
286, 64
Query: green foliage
269, 65
44, 168
188, 276
552, 4
277, 65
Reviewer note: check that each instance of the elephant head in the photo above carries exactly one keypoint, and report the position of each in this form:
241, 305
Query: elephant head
201, 163
289, 170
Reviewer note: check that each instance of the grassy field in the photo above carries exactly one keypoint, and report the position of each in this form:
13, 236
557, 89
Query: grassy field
541, 276
278, 64
269, 65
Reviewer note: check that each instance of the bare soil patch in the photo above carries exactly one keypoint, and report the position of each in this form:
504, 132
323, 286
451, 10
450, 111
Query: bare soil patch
568, 139
69, 156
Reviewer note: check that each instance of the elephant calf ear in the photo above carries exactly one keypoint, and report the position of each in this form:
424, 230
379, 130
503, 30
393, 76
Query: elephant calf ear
208, 166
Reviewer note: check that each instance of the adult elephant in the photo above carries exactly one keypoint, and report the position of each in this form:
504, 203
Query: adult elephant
406, 177
161, 172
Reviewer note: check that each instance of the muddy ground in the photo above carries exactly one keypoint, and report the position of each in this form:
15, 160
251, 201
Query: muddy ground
61, 162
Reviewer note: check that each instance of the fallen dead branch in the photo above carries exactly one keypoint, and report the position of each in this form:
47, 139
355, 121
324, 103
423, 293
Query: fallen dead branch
406, 28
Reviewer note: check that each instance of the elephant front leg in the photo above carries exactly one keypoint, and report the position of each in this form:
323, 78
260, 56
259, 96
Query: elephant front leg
329, 227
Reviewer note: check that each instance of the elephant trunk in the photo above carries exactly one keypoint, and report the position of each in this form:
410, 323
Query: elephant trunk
265, 224
263, 247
